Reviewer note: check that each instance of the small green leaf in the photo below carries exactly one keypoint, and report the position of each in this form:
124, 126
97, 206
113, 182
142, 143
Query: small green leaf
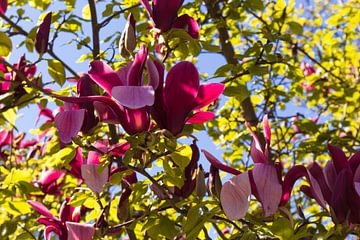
5, 45
56, 71
295, 27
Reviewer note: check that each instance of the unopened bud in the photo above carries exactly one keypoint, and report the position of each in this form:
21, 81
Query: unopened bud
127, 41
214, 182
42, 35
200, 183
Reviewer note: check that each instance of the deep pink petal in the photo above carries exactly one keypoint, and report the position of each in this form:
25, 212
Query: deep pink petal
76, 163
154, 77
147, 6
50, 176
354, 161
235, 195
216, 163
42, 35
80, 231
291, 177
200, 117
317, 172
119, 149
134, 76
330, 175
158, 110
207, 94
69, 123
136, 120
51, 229
268, 187
189, 24
256, 151
104, 76
67, 212
339, 159
267, 130
40, 208
316, 190
3, 6
181, 89
134, 97
164, 13
339, 201
5, 138
93, 179
357, 180
106, 113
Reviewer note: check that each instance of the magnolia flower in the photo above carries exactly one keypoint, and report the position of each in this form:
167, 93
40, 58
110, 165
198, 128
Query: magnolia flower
50, 181
264, 181
308, 70
3, 6
42, 35
338, 185
181, 96
60, 226
164, 15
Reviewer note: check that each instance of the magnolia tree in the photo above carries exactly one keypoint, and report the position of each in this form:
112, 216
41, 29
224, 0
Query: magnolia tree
115, 150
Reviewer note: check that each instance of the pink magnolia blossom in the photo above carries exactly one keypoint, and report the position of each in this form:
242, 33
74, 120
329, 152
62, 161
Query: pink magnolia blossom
50, 182
179, 100
3, 6
42, 35
164, 15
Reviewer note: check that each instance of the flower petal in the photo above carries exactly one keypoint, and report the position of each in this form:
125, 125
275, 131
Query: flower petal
3, 6
104, 76
330, 175
207, 94
200, 117
189, 24
339, 158
134, 76
268, 187
49, 229
216, 163
354, 161
106, 113
291, 177
93, 179
181, 89
40, 208
147, 6
256, 151
42, 35
154, 76
317, 172
80, 231
339, 201
357, 180
134, 97
164, 13
69, 123
235, 195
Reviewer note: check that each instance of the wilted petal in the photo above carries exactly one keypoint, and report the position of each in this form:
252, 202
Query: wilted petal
69, 123
339, 159
181, 89
216, 163
40, 208
164, 13
3, 6
134, 97
207, 94
268, 187
42, 35
200, 117
80, 231
104, 76
93, 179
189, 24
235, 195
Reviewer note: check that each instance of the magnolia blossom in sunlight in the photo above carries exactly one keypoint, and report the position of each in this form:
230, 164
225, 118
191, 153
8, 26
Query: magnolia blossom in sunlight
264, 181
63, 226
3, 6
42, 35
180, 99
164, 15
337, 185
50, 182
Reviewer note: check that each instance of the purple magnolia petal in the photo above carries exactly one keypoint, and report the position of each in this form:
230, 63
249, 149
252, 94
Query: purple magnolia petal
85, 86
3, 6
104, 76
339, 159
216, 163
80, 231
235, 195
50, 229
50, 176
256, 151
93, 179
316, 190
158, 110
118, 150
76, 163
317, 172
134, 97
5, 138
339, 201
207, 94
42, 35
291, 177
268, 187
136, 120
200, 117
68, 212
153, 74
357, 180
267, 130
189, 24
330, 175
134, 76
40, 208
354, 161
164, 13
147, 6
69, 123
181, 89
106, 113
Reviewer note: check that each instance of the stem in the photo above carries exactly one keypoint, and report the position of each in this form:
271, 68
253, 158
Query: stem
95, 30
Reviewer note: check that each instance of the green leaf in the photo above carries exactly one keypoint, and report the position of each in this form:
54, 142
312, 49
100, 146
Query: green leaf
182, 156
5, 45
240, 92
86, 12
56, 71
295, 28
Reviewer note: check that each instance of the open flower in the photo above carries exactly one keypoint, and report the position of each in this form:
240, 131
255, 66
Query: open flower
59, 226
164, 15
338, 185
50, 181
264, 181
179, 101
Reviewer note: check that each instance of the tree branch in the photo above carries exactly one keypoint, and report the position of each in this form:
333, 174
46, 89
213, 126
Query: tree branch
95, 30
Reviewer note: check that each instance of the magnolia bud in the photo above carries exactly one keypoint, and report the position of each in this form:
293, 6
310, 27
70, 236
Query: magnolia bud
42, 35
127, 41
214, 182
200, 182
3, 6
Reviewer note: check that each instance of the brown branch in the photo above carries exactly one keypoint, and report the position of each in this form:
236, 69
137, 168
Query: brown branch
95, 30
